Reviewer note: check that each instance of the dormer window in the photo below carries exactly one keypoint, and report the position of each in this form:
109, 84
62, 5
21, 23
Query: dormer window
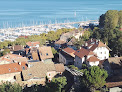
23, 68
9, 69
47, 54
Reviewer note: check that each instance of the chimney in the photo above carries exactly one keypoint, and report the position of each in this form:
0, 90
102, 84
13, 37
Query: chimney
91, 39
105, 43
19, 63
86, 44
29, 65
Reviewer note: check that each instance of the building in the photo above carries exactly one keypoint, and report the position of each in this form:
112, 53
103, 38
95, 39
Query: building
33, 44
59, 44
45, 53
12, 58
66, 56
85, 56
99, 48
70, 44
39, 71
9, 71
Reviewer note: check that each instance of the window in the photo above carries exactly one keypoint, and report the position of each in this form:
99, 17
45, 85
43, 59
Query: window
47, 54
105, 57
15, 69
29, 74
23, 68
49, 74
9, 69
100, 52
105, 52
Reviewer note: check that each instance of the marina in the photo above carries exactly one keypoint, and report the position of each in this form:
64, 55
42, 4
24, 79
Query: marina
11, 34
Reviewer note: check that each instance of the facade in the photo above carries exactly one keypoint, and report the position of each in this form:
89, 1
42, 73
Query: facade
66, 56
12, 58
9, 71
85, 56
99, 48
92, 53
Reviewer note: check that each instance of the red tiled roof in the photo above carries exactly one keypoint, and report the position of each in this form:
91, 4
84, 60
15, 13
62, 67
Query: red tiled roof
93, 59
33, 43
23, 37
69, 51
17, 47
10, 57
11, 68
83, 52
114, 84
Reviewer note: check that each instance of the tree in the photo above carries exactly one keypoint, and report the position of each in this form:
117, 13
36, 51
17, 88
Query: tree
120, 19
57, 84
8, 87
111, 19
86, 35
94, 78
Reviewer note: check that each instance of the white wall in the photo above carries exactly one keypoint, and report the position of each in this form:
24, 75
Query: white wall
8, 77
51, 74
102, 53
94, 63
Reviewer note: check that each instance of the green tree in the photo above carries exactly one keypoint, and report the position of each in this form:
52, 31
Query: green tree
120, 19
94, 78
57, 84
111, 19
8, 87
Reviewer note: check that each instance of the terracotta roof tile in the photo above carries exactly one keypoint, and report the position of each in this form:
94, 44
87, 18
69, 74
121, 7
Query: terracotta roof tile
33, 43
11, 68
17, 48
45, 52
83, 52
59, 67
69, 51
93, 59
13, 58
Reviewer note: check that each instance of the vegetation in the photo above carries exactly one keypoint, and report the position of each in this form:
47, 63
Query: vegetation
57, 84
93, 78
8, 87
109, 31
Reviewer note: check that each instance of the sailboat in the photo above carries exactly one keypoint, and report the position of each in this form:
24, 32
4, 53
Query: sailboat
75, 14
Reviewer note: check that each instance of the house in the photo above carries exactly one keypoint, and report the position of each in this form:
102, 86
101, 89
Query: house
8, 71
99, 48
39, 71
33, 44
12, 58
18, 49
70, 44
59, 44
115, 65
85, 56
75, 33
45, 53
66, 56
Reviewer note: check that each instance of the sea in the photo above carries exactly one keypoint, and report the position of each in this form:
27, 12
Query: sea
19, 13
